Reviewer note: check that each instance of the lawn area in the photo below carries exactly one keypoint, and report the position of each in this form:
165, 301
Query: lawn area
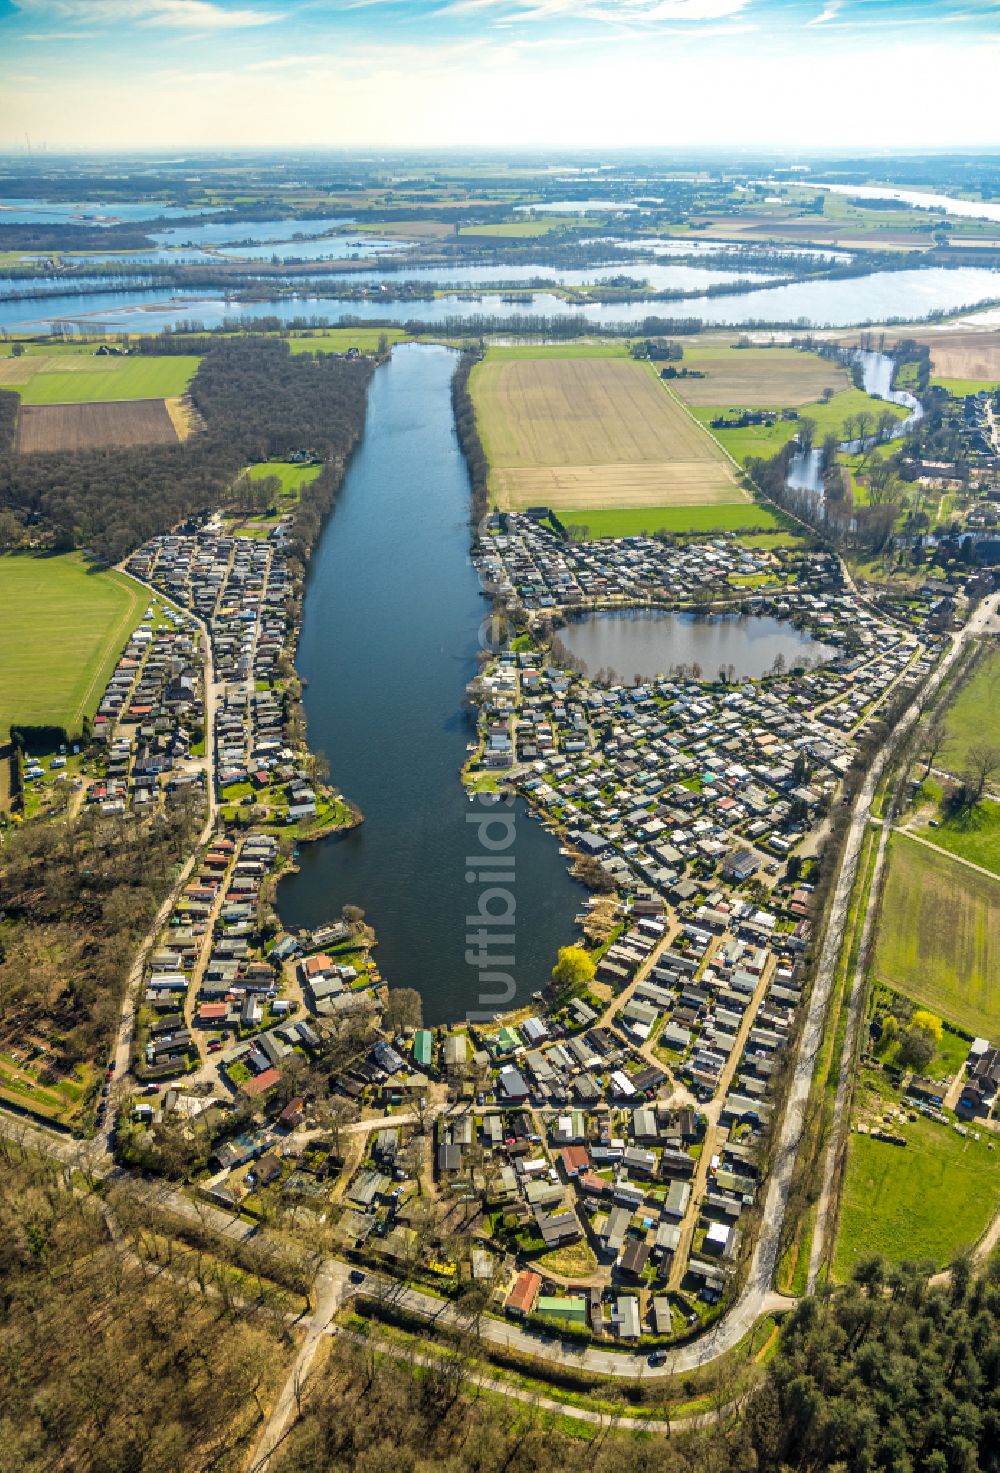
292, 477
931, 1198
596, 432
973, 714
975, 837
576, 1260
83, 378
631, 521
939, 936
64, 623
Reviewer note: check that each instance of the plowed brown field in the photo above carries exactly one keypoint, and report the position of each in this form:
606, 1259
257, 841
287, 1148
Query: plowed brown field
94, 426
974, 355
778, 378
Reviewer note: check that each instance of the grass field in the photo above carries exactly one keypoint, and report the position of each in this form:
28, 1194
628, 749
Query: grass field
292, 477
765, 377
549, 352
83, 378
959, 387
973, 714
42, 427
931, 1198
767, 440
339, 339
593, 433
939, 936
975, 837
631, 521
63, 627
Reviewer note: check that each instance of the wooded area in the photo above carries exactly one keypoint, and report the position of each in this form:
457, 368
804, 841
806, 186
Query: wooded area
258, 401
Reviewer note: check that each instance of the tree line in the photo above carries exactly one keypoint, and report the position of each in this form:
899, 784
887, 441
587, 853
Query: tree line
468, 433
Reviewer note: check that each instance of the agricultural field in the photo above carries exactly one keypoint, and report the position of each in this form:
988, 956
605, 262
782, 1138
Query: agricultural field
42, 427
83, 378
64, 624
972, 716
929, 1199
775, 378
593, 433
939, 936
966, 355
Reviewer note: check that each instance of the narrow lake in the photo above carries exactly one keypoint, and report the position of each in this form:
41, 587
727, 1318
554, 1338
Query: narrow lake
649, 642
390, 635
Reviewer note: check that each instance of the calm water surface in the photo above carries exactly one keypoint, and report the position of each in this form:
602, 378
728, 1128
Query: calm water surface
390, 635
649, 642
874, 298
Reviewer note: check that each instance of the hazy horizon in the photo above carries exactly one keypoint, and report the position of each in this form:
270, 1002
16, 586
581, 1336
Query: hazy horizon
776, 75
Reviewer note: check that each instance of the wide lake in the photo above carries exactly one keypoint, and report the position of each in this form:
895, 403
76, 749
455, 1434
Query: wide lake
390, 635
649, 642
881, 296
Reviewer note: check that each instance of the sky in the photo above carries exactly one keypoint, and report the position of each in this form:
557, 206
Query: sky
793, 75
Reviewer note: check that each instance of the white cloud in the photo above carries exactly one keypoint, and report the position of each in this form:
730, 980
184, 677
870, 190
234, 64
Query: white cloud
614, 11
177, 14
830, 13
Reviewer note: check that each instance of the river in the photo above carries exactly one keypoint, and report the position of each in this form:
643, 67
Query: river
390, 635
917, 199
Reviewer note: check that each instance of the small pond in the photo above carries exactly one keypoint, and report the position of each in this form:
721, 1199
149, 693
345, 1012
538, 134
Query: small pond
649, 642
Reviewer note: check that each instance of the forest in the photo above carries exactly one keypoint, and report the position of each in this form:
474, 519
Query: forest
77, 898
257, 400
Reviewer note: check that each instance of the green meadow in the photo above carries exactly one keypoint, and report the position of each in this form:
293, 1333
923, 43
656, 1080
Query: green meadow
929, 1199
64, 623
85, 378
939, 936
631, 521
766, 440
